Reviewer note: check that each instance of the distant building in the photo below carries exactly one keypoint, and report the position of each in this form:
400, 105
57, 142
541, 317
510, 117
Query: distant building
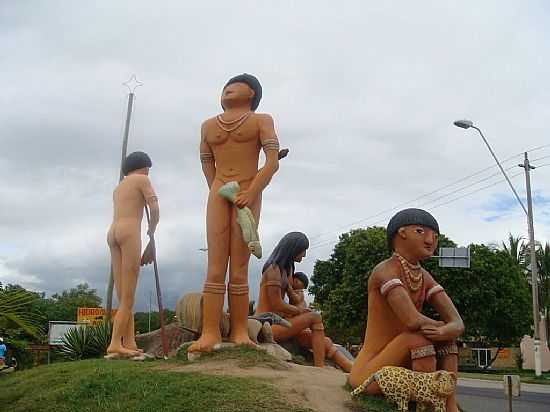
527, 348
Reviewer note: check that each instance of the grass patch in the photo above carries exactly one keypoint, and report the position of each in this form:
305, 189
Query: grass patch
366, 403
246, 357
369, 403
122, 386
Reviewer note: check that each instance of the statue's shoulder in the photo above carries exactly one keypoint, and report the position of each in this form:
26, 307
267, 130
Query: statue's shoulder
386, 267
209, 122
262, 118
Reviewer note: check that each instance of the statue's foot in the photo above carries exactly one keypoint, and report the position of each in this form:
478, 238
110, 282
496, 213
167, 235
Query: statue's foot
132, 346
205, 344
121, 351
242, 339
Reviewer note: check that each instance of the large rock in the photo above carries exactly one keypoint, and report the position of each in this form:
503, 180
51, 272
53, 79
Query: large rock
277, 351
152, 342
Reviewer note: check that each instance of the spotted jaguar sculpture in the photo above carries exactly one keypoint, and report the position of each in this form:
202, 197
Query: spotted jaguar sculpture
402, 385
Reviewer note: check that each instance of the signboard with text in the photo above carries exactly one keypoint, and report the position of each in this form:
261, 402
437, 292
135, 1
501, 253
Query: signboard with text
92, 316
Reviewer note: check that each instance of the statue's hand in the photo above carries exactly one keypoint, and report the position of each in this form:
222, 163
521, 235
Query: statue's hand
149, 254
436, 333
245, 198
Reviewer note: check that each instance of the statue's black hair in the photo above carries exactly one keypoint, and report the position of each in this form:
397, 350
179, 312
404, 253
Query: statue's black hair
409, 217
135, 161
253, 83
302, 277
290, 246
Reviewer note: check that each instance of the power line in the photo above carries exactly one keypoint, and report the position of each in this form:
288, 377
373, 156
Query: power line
338, 229
418, 198
540, 158
324, 243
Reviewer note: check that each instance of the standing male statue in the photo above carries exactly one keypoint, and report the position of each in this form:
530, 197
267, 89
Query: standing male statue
130, 197
229, 151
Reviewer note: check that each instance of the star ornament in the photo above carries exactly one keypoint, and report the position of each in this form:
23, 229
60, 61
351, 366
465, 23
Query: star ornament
132, 84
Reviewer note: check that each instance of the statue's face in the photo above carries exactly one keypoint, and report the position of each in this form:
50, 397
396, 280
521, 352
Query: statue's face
297, 284
299, 257
420, 240
236, 93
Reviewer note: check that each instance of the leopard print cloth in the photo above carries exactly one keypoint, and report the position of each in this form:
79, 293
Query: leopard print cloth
402, 385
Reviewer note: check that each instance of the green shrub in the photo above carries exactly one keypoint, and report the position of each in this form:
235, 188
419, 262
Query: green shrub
86, 341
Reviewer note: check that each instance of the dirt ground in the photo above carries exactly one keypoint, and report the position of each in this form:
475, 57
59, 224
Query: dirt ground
321, 389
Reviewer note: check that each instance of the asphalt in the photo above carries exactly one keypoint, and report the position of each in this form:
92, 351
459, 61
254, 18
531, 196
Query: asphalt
488, 396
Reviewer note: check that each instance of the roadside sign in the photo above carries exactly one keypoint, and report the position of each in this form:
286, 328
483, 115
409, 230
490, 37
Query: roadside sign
58, 329
93, 316
454, 257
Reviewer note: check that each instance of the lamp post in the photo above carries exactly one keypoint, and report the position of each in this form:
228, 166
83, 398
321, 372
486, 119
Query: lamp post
466, 124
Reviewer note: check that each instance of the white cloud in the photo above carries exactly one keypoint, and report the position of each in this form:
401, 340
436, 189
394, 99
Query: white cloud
363, 94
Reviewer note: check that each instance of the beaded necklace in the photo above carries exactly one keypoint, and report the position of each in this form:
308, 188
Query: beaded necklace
413, 272
233, 124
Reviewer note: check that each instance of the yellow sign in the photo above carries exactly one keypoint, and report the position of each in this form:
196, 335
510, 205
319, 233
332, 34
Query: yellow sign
92, 315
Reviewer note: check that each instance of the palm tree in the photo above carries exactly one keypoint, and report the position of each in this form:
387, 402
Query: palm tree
516, 248
15, 312
543, 261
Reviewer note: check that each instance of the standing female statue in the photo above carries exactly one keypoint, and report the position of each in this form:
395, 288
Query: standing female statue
229, 151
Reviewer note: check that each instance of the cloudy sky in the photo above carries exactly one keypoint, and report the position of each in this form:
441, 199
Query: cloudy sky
364, 96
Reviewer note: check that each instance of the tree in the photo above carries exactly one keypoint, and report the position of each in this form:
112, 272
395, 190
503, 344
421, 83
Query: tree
339, 284
141, 320
492, 296
16, 313
516, 249
64, 305
20, 322
543, 260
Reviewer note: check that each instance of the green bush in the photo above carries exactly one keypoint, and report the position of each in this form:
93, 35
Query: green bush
86, 341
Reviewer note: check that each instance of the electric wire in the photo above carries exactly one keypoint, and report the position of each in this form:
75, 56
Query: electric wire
322, 242
325, 243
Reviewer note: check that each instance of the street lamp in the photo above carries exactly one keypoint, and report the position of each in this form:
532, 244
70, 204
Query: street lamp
466, 124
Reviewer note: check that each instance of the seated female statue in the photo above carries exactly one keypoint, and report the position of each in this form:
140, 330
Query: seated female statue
306, 325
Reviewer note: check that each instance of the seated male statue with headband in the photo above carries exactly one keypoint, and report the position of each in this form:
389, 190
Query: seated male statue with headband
398, 334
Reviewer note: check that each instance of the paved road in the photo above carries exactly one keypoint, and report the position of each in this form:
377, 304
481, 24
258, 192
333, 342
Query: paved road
486, 396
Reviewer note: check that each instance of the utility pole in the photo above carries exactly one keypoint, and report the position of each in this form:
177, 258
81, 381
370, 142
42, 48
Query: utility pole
150, 305
132, 84
534, 268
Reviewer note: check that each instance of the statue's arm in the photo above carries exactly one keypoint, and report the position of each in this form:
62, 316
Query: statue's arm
207, 158
385, 280
403, 307
273, 285
295, 297
270, 145
442, 303
152, 202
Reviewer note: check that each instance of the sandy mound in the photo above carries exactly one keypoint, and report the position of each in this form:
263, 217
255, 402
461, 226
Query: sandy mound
321, 389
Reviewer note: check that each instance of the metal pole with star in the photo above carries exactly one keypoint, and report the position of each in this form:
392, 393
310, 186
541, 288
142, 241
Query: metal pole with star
132, 84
